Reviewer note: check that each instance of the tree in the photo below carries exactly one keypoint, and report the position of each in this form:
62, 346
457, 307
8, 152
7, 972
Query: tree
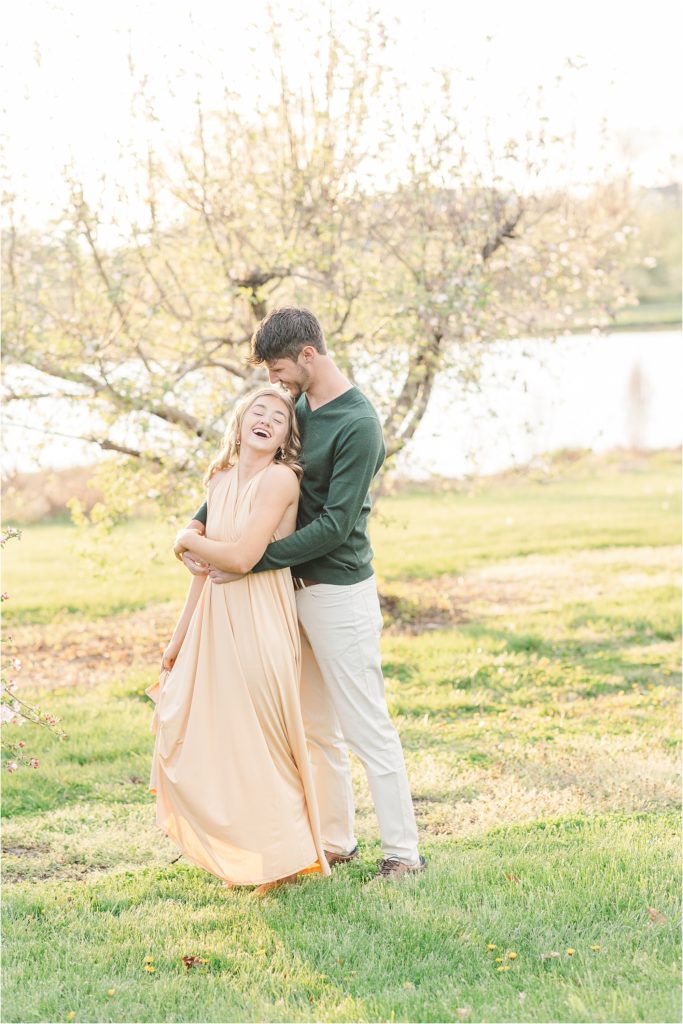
414, 253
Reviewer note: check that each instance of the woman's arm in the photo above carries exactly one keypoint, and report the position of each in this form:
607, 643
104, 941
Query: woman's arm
176, 642
277, 492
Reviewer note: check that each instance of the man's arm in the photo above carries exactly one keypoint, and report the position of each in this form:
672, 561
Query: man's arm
355, 465
199, 519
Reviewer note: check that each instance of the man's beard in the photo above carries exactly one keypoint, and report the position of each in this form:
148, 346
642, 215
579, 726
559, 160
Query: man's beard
297, 387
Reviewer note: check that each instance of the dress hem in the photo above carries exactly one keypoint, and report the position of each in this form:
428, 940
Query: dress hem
310, 869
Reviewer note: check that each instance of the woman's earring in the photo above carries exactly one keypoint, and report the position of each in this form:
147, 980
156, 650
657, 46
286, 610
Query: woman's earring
237, 443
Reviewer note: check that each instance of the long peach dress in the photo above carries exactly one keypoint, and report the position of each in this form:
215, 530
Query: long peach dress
230, 768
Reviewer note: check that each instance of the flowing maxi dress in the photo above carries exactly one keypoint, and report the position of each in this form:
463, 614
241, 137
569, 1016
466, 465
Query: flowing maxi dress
230, 770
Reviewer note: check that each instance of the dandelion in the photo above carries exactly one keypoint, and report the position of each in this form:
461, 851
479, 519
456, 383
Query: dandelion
150, 968
12, 766
71, 1015
503, 967
499, 959
149, 959
512, 955
111, 991
492, 945
570, 952
595, 948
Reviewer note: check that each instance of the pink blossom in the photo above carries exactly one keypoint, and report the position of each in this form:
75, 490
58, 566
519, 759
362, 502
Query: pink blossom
21, 743
4, 596
34, 762
16, 664
12, 766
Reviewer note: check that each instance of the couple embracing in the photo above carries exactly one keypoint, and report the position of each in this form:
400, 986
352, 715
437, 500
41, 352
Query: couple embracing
273, 671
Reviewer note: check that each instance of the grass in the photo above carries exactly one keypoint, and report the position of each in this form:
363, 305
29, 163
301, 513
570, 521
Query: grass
664, 313
532, 671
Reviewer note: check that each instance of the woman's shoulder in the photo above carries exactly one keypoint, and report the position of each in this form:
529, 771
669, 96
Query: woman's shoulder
280, 476
218, 477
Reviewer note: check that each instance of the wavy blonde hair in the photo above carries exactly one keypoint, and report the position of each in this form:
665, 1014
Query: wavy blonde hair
288, 453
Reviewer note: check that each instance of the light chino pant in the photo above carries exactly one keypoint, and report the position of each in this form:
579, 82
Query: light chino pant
343, 705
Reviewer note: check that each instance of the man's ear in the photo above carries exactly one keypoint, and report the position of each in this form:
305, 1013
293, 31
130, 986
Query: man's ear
308, 352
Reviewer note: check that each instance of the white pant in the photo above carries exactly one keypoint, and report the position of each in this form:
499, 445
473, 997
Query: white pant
343, 703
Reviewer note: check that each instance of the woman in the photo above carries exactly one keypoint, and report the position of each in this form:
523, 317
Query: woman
230, 769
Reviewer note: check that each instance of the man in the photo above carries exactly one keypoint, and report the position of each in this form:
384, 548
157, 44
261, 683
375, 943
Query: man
342, 687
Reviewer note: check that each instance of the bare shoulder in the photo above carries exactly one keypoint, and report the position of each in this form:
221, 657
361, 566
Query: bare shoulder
282, 479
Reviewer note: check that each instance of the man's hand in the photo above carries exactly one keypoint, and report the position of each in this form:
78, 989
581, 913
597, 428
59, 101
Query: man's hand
218, 576
194, 564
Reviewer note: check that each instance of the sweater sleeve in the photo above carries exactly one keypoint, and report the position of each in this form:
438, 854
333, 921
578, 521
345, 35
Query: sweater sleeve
356, 460
201, 514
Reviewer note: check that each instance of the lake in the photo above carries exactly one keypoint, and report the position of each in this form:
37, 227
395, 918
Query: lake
582, 391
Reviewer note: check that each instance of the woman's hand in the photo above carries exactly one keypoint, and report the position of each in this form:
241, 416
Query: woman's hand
170, 654
180, 544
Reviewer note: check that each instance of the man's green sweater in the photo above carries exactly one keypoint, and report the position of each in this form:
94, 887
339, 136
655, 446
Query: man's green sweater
342, 449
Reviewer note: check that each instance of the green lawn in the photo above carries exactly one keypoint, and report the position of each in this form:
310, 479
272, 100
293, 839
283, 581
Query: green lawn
532, 658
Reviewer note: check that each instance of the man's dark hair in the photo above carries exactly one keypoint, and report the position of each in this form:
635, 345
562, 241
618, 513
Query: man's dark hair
284, 332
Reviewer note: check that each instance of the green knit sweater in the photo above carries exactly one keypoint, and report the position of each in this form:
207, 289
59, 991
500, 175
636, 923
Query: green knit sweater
342, 450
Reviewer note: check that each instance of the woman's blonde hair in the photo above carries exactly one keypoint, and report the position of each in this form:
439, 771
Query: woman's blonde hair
288, 453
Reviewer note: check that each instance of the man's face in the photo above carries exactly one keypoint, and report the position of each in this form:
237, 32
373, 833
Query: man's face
294, 377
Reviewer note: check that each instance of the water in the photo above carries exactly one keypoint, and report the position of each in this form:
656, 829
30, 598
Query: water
535, 396
583, 391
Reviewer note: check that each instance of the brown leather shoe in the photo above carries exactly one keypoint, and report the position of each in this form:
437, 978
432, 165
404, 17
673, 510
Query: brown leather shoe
391, 869
341, 858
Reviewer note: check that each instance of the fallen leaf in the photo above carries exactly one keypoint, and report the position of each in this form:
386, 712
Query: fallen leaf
656, 916
550, 956
408, 984
193, 961
463, 1012
511, 877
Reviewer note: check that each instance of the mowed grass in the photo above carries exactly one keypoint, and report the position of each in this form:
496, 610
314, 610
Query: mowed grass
534, 678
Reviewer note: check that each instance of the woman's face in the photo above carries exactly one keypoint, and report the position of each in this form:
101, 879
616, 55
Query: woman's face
265, 425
